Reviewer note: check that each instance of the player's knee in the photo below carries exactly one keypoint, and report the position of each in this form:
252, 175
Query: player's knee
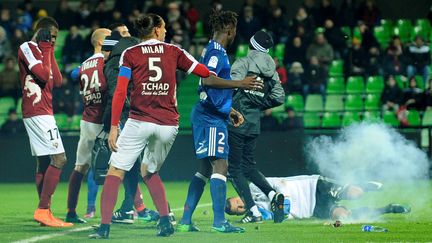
58, 160
82, 168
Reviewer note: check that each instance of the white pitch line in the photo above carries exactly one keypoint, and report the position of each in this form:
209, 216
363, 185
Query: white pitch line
53, 235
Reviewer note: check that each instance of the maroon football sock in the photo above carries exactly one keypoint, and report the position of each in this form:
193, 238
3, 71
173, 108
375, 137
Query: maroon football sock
138, 201
74, 188
157, 192
50, 181
39, 182
109, 197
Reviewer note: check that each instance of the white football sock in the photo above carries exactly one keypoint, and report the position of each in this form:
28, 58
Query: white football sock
255, 211
271, 195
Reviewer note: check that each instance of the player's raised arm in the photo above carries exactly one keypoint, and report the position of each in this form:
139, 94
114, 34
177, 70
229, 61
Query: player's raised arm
40, 69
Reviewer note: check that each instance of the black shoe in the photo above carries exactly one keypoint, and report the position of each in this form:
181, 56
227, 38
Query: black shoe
101, 233
73, 218
277, 207
165, 227
397, 208
250, 218
122, 217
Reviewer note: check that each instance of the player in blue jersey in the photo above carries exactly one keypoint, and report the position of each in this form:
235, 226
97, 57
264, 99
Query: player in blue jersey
210, 118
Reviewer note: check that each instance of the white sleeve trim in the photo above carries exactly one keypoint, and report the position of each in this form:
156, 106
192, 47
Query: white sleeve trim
194, 64
28, 54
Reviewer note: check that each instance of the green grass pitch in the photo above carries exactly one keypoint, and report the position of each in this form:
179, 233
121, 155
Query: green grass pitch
18, 202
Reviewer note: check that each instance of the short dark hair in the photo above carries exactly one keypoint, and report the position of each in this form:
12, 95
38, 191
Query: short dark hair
46, 22
220, 20
145, 24
228, 207
114, 26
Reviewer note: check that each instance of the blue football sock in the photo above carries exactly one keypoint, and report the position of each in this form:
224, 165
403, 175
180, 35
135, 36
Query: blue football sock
218, 193
92, 189
196, 188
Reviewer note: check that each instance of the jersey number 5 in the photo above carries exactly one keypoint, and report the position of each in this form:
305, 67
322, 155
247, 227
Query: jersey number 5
94, 82
153, 67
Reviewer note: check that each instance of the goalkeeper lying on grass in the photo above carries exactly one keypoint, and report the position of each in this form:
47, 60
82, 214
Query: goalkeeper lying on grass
314, 196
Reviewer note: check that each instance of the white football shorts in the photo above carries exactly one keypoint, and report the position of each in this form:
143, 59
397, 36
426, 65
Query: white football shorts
137, 135
44, 135
88, 133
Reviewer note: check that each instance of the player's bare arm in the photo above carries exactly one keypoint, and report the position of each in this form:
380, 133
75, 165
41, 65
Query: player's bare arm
247, 83
236, 117
112, 138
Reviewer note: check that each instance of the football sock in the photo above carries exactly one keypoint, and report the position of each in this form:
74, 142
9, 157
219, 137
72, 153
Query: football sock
74, 189
138, 200
92, 190
195, 191
255, 211
51, 179
109, 197
39, 182
218, 194
271, 195
157, 192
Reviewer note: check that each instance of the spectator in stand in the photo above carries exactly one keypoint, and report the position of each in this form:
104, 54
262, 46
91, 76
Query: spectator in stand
391, 95
336, 38
13, 125
357, 60
428, 95
132, 17
295, 79
270, 7
368, 39
277, 26
292, 121
17, 39
322, 50
295, 51
5, 45
412, 97
67, 97
393, 56
31, 9
310, 7
116, 17
374, 62
326, 11
24, 20
257, 9
158, 7
64, 15
101, 13
192, 16
9, 79
268, 122
304, 19
72, 49
42, 13
347, 13
178, 27
6, 21
418, 59
83, 17
281, 70
315, 77
248, 24
369, 13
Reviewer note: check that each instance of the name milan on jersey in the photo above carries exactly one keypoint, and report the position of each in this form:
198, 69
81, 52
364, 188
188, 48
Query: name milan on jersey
153, 64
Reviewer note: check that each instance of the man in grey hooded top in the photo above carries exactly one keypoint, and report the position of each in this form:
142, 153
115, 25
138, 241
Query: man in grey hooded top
242, 139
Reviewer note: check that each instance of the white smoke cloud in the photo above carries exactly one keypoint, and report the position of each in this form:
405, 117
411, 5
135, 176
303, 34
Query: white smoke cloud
368, 151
